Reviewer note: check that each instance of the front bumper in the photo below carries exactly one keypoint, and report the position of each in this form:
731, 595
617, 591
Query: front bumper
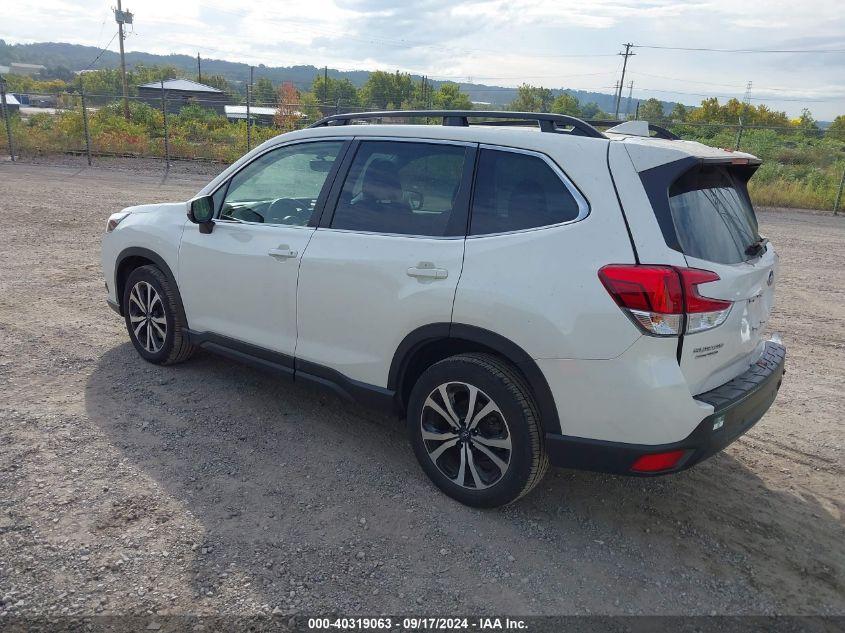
738, 405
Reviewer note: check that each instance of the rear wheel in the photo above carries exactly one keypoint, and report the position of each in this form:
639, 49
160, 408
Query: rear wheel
475, 430
154, 317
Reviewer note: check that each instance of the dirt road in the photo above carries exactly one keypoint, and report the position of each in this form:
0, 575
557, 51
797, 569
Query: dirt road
211, 488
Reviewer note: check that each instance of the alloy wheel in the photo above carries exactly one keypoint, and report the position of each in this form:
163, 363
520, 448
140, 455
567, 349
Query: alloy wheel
466, 435
147, 317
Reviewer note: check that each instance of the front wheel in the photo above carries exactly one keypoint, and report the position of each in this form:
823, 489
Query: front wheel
475, 430
154, 317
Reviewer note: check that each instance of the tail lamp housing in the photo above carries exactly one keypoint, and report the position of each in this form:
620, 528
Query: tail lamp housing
664, 300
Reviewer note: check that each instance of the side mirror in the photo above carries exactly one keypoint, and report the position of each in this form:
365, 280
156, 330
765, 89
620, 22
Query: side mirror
201, 211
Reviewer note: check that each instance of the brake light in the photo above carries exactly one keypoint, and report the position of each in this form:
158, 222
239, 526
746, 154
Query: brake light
660, 298
657, 461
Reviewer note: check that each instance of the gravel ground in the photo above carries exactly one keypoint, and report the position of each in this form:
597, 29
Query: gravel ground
211, 488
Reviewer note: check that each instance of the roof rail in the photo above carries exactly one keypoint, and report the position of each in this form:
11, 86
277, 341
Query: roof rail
546, 121
659, 131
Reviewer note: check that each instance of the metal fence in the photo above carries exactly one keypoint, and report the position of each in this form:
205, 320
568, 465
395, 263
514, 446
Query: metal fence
801, 167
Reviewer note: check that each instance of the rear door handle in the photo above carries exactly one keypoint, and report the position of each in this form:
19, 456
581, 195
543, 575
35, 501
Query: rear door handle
283, 252
426, 270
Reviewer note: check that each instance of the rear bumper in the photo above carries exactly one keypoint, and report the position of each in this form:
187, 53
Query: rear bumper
738, 405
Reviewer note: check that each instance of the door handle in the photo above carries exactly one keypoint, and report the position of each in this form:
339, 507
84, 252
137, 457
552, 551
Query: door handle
426, 270
283, 252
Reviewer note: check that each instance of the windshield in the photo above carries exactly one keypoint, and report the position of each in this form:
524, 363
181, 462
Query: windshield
713, 216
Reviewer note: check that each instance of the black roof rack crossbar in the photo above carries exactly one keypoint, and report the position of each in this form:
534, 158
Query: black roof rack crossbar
659, 131
546, 121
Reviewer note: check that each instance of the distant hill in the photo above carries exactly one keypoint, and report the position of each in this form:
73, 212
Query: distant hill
58, 56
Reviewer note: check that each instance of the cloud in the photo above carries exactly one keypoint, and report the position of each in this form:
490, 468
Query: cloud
506, 40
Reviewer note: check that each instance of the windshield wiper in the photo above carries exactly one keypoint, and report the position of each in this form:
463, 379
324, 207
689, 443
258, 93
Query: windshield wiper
756, 246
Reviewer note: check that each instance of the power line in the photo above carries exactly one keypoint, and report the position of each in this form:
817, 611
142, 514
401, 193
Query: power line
100, 54
710, 95
741, 50
711, 83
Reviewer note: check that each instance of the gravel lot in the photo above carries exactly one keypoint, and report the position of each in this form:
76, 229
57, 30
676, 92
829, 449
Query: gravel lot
211, 488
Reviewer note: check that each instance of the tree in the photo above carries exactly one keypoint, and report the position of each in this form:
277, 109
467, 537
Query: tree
652, 111
566, 103
384, 90
591, 110
340, 92
288, 112
310, 106
264, 94
710, 111
837, 128
679, 112
378, 92
807, 123
217, 81
450, 97
532, 99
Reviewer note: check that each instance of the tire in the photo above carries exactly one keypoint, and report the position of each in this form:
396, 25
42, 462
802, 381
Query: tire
148, 284
510, 433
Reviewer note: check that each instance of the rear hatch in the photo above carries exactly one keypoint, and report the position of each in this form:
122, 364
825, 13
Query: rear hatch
716, 230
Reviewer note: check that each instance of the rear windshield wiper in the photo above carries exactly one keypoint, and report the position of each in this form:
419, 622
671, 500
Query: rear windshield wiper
756, 246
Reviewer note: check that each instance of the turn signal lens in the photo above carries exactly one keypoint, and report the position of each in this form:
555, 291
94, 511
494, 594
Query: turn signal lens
114, 220
658, 461
703, 313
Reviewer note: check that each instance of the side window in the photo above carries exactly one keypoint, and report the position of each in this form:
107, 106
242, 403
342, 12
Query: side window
516, 191
281, 186
403, 188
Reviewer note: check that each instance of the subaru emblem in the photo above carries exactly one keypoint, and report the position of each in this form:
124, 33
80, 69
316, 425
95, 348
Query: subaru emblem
771, 277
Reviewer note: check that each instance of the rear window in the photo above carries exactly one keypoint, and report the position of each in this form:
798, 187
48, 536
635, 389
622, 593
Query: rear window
713, 216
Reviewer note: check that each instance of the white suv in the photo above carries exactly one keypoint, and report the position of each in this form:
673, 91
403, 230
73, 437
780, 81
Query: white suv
521, 294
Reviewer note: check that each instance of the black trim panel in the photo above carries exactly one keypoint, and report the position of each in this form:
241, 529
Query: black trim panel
284, 365
244, 352
366, 394
137, 251
656, 182
427, 334
740, 403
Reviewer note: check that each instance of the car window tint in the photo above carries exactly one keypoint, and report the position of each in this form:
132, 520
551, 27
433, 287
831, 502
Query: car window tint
515, 191
713, 217
281, 186
402, 188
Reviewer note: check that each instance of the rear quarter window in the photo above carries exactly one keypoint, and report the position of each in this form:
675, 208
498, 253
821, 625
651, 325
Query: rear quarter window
516, 191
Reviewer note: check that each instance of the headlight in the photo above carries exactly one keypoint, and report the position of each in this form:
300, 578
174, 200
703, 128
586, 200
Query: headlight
114, 220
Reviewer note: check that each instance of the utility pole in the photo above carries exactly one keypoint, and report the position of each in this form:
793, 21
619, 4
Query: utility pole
325, 84
248, 117
616, 90
628, 105
626, 54
199, 68
123, 17
6, 117
745, 101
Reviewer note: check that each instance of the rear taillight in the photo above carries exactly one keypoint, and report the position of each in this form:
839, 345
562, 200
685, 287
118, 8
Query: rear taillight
660, 298
702, 313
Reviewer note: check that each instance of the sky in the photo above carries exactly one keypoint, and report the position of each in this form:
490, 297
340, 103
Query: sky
554, 43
